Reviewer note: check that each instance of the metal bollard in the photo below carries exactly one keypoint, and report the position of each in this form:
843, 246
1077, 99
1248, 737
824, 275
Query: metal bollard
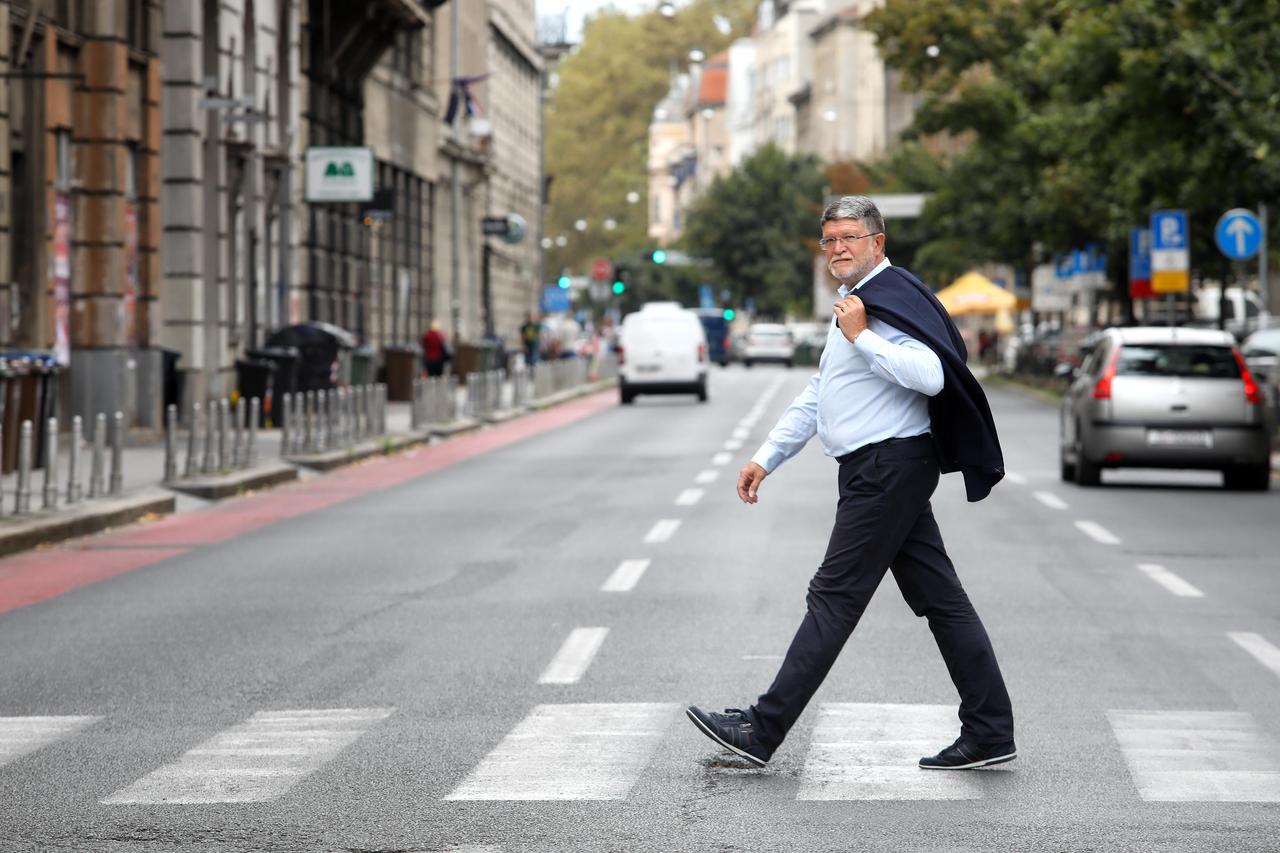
193, 430
22, 494
210, 438
286, 411
1, 482
255, 411
237, 432
308, 407
170, 443
74, 490
382, 409
51, 464
224, 415
96, 482
117, 455
357, 412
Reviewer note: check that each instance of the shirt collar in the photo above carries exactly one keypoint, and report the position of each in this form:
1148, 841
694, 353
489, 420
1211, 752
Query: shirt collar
845, 291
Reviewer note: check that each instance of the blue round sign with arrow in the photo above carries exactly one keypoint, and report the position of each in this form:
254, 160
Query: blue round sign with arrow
1238, 234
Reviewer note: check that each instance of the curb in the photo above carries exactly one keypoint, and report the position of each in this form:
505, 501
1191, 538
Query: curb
383, 446
52, 526
214, 488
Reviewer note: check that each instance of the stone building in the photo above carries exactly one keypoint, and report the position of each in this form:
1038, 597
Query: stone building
80, 229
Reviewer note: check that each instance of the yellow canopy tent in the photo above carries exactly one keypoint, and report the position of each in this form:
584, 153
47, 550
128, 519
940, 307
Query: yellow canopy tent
974, 293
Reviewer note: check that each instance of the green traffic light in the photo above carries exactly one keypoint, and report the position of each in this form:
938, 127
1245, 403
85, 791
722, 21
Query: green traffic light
728, 313
659, 256
618, 287
564, 282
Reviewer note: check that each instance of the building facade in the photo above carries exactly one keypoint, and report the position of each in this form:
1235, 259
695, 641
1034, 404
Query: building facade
156, 223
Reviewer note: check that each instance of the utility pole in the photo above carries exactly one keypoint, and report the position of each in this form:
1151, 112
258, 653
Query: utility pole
455, 287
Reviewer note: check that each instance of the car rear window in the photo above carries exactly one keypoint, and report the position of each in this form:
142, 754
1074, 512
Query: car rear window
1211, 362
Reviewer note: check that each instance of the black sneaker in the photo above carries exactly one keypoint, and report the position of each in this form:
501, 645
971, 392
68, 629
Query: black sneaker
733, 731
964, 755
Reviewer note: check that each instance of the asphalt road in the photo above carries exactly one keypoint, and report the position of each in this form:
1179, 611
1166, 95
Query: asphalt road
495, 655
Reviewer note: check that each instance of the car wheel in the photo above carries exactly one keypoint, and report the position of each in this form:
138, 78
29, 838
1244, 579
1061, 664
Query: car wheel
1066, 471
1247, 478
1087, 473
790, 364
702, 392
626, 395
746, 362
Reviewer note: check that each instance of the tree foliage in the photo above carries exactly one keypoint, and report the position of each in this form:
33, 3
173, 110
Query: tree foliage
759, 226
1083, 116
597, 121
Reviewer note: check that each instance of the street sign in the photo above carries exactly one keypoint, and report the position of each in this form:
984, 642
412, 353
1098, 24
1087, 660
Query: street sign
1238, 234
511, 228
339, 173
1050, 291
555, 300
493, 226
601, 269
1140, 263
1170, 251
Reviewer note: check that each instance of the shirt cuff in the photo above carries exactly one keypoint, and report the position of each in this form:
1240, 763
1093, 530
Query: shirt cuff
769, 457
869, 343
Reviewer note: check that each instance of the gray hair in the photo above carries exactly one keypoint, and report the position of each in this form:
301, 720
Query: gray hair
858, 207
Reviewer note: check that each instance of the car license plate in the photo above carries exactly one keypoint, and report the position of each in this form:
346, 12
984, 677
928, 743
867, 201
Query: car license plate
648, 368
1179, 438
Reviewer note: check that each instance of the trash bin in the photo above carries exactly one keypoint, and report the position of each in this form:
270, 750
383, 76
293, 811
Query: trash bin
255, 377
284, 380
34, 398
402, 368
473, 357
324, 353
362, 365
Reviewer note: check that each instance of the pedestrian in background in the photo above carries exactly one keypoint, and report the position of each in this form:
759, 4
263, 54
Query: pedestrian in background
895, 405
531, 338
435, 350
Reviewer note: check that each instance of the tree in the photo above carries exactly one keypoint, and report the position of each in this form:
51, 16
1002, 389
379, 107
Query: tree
597, 121
759, 226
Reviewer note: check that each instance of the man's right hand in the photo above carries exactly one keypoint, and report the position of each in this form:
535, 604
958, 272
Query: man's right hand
749, 480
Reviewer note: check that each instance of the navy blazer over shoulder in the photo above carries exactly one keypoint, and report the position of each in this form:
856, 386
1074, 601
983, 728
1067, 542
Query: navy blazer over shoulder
963, 429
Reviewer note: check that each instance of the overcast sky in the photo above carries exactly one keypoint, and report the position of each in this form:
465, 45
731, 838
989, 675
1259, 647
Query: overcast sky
577, 9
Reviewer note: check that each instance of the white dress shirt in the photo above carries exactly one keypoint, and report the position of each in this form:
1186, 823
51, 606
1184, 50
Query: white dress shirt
863, 392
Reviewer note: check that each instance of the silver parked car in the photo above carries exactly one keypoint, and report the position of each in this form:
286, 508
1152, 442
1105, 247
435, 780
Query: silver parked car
1165, 397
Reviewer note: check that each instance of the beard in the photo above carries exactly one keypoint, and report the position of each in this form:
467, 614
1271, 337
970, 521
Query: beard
855, 273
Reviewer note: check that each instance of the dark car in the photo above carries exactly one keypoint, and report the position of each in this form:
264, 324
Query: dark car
717, 331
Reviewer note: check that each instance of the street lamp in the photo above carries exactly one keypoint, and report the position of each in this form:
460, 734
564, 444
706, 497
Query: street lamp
610, 224
562, 241
633, 197
580, 225
697, 55
667, 9
547, 242
932, 51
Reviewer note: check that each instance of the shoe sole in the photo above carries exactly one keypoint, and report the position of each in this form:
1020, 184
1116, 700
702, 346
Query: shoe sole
986, 762
715, 737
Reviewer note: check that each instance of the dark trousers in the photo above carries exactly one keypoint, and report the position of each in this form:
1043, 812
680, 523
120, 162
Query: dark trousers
884, 521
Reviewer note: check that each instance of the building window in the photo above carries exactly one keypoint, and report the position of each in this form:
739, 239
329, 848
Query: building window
138, 25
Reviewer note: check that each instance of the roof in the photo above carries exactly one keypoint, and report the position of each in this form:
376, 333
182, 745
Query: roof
715, 81
1172, 335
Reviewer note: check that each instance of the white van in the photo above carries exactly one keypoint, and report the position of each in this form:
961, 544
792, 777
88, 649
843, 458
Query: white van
662, 350
1246, 312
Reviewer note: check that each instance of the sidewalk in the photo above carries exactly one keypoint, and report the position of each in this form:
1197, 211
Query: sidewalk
145, 493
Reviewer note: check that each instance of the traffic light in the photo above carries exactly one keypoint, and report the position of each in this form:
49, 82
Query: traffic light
564, 282
728, 313
659, 256
618, 287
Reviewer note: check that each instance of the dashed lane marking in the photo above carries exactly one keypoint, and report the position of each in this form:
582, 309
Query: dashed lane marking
626, 576
1169, 580
571, 662
1098, 533
689, 497
1050, 500
721, 458
662, 530
570, 752
710, 475
1255, 644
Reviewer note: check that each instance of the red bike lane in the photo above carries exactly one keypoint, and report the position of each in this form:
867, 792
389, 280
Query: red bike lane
42, 574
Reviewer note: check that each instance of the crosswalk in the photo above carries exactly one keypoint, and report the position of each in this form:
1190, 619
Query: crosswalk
599, 751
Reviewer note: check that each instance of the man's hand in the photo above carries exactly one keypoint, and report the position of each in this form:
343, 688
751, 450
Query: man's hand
851, 316
749, 480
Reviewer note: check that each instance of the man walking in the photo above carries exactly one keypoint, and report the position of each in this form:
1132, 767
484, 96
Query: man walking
895, 405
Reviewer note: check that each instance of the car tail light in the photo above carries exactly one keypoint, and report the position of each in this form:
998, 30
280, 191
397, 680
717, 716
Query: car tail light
621, 359
726, 343
1102, 388
702, 352
1252, 393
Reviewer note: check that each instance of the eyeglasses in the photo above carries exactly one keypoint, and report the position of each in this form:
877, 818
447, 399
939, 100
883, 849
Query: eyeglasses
826, 244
